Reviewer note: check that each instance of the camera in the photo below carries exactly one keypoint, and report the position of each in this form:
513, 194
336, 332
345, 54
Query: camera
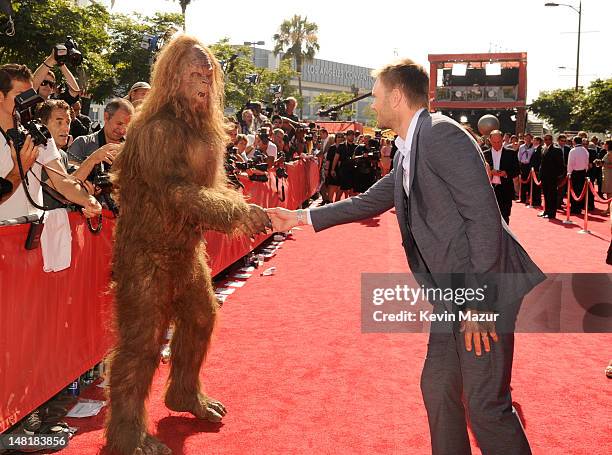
231, 168
67, 53
101, 180
5, 187
252, 165
251, 78
152, 43
278, 106
25, 123
281, 173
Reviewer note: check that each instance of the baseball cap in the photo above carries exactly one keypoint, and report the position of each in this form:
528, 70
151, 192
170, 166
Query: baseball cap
139, 85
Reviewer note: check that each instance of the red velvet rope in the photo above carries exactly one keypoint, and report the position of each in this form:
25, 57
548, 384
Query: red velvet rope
582, 194
535, 178
526, 181
597, 198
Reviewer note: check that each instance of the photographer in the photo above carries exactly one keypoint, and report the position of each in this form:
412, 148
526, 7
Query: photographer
242, 148
259, 119
297, 146
367, 158
138, 93
291, 104
14, 80
80, 125
45, 83
266, 146
248, 122
281, 140
101, 147
55, 115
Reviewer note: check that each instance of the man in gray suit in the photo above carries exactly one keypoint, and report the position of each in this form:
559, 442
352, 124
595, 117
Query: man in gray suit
451, 226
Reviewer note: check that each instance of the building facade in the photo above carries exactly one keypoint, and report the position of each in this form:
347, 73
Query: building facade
324, 76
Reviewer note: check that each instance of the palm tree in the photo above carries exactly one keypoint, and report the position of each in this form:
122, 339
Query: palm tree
184, 5
297, 38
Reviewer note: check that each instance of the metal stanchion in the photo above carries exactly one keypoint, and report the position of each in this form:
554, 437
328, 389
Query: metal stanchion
585, 227
567, 219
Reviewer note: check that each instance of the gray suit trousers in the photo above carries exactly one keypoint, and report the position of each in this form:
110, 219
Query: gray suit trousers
454, 379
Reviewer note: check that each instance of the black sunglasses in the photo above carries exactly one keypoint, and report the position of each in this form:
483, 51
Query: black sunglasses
49, 83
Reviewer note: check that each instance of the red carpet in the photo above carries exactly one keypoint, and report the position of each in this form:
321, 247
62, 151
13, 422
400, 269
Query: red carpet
297, 376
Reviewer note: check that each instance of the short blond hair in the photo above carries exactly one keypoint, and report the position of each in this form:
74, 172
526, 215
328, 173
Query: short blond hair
408, 76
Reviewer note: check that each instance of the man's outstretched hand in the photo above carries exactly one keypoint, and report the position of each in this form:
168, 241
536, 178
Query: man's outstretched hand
283, 219
256, 222
476, 332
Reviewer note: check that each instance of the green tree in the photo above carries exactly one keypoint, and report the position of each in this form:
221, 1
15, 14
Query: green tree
40, 25
557, 107
595, 110
130, 62
326, 100
371, 117
297, 38
237, 91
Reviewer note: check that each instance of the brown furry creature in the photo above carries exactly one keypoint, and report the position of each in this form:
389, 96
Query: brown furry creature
171, 188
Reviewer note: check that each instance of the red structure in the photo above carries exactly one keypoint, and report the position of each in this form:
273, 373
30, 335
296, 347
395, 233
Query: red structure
468, 86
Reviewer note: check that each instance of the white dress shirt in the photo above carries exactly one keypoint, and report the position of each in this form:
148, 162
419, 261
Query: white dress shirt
578, 159
524, 153
403, 147
496, 154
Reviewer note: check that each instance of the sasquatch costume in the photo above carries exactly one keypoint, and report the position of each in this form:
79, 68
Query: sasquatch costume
171, 188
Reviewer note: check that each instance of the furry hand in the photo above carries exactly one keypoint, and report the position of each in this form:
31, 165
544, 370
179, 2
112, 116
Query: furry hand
256, 221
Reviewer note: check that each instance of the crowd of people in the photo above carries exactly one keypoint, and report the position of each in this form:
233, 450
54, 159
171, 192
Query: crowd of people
533, 170
522, 168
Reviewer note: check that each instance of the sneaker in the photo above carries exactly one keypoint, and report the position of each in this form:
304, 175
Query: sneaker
31, 424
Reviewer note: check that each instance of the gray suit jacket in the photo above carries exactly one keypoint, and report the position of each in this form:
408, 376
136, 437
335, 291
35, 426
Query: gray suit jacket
450, 223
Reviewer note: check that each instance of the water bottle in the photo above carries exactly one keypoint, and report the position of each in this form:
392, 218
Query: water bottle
74, 389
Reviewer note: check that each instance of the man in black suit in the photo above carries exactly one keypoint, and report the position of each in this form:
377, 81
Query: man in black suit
565, 149
552, 170
503, 167
534, 163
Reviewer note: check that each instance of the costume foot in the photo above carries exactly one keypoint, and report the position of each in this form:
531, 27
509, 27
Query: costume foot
152, 446
204, 408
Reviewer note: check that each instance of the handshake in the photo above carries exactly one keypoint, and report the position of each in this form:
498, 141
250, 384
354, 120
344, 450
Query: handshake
278, 219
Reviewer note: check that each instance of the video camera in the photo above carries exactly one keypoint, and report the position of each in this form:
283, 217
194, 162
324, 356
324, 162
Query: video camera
251, 164
230, 167
371, 154
278, 104
67, 53
251, 78
25, 123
